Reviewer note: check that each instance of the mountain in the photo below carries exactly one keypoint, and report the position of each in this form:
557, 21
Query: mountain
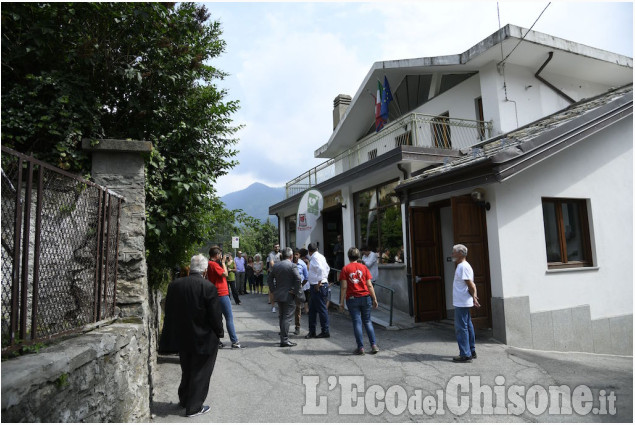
255, 201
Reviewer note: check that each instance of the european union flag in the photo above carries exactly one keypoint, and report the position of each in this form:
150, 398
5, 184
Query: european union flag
386, 97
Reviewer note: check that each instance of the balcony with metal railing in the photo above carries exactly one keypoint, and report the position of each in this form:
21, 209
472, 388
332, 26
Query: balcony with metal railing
419, 130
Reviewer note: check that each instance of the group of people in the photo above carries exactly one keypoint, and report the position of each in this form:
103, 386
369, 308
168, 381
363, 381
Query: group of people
194, 308
243, 272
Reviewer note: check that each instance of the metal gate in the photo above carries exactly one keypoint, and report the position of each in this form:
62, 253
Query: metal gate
60, 237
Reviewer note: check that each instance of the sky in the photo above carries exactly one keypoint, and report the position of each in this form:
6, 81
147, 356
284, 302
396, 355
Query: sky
287, 61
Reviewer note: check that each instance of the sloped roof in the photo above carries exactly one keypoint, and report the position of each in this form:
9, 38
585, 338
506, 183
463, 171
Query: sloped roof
508, 154
574, 59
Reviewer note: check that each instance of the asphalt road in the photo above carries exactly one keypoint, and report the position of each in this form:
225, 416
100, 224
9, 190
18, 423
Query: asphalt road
413, 378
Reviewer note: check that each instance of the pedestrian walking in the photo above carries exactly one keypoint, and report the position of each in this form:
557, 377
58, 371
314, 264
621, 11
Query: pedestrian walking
356, 289
217, 274
285, 283
464, 297
193, 327
318, 279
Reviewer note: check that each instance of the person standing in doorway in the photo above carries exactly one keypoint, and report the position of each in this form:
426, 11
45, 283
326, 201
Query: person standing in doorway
239, 261
193, 327
318, 279
217, 274
338, 252
464, 297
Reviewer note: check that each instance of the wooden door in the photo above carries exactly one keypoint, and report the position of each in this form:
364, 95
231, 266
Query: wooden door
427, 272
470, 229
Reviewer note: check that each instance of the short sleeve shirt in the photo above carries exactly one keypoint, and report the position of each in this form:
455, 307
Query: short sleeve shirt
461, 297
215, 275
273, 256
356, 275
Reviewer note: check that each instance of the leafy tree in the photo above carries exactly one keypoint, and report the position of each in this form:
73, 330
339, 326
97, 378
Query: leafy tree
126, 70
255, 236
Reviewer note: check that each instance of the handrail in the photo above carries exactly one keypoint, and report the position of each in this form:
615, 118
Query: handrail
444, 133
392, 296
392, 292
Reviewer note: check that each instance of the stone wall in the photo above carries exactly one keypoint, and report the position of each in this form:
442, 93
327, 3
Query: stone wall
103, 375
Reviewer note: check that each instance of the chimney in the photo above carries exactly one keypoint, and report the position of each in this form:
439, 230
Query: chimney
340, 105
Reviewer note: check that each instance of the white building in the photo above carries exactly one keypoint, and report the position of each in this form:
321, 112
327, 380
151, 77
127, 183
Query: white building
521, 149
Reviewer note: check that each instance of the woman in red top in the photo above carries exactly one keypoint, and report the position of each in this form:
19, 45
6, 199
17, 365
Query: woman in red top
357, 289
217, 274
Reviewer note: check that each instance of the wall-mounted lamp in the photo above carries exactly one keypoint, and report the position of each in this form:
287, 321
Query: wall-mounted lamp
478, 196
339, 200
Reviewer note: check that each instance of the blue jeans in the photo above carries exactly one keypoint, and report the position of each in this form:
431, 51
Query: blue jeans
226, 309
464, 331
359, 309
317, 305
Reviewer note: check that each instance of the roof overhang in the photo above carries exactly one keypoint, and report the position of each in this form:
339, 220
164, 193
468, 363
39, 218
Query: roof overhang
507, 163
398, 155
570, 59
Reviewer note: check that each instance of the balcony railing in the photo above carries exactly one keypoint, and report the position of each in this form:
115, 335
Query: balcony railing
411, 130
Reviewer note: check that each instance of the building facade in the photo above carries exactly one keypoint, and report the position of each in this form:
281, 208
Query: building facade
446, 169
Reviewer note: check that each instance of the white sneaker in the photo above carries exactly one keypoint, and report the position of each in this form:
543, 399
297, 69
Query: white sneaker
273, 309
204, 410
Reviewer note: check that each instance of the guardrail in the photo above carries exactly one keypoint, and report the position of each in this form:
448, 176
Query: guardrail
392, 296
413, 129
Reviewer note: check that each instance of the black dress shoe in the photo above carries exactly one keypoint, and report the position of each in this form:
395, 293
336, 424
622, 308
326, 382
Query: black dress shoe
323, 335
288, 344
309, 336
462, 359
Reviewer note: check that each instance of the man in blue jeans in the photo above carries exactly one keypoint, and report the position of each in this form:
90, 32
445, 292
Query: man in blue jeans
318, 279
464, 298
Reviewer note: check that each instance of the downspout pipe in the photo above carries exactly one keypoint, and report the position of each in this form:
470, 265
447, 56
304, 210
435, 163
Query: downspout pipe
405, 200
279, 234
548, 84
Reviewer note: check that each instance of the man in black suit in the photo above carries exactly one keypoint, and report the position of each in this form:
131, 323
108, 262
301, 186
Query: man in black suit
193, 327
285, 282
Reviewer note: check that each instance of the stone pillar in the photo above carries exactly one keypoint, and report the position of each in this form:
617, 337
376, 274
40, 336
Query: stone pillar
119, 166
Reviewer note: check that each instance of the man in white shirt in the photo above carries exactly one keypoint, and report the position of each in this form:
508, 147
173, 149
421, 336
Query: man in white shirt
370, 259
318, 279
464, 297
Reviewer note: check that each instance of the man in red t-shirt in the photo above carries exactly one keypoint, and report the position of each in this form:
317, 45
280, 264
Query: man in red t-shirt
217, 274
356, 289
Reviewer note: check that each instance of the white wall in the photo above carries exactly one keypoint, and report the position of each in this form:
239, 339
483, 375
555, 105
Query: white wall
458, 101
600, 169
527, 99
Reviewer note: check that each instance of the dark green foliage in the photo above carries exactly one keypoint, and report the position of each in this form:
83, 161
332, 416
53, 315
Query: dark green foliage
129, 71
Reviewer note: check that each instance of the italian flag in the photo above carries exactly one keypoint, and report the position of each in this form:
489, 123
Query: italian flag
379, 120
